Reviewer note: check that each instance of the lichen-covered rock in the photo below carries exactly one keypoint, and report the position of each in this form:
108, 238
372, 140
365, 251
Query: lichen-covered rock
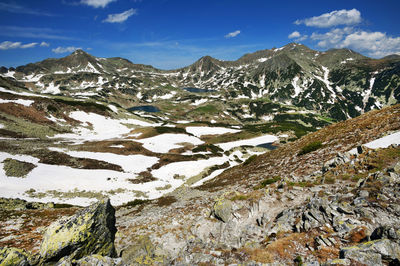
222, 209
143, 252
14, 257
92, 260
372, 252
90, 231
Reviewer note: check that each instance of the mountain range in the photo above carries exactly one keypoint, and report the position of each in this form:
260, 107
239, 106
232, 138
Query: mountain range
338, 83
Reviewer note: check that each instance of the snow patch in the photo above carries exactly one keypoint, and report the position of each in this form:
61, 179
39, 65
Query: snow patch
200, 131
383, 142
19, 101
165, 142
251, 142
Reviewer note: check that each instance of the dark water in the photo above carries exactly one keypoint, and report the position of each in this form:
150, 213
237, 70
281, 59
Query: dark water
267, 145
145, 108
196, 90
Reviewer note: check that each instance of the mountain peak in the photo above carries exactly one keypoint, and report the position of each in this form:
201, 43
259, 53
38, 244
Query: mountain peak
79, 52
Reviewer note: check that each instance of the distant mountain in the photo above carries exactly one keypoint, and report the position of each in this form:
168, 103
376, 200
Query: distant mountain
338, 83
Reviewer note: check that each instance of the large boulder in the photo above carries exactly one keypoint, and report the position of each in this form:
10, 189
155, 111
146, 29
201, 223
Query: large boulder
222, 209
373, 252
14, 257
90, 231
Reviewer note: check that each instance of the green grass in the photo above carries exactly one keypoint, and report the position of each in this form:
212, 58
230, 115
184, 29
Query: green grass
268, 181
250, 159
206, 109
17, 168
163, 130
313, 146
135, 202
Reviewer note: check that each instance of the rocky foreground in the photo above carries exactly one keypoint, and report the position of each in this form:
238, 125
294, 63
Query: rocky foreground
311, 202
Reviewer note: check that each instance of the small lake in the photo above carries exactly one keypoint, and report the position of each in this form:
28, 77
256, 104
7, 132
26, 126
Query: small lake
197, 90
267, 145
145, 108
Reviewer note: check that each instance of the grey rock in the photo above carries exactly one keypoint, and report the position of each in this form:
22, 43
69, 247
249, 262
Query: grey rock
372, 252
387, 231
222, 209
396, 168
90, 231
364, 194
143, 251
92, 260
337, 262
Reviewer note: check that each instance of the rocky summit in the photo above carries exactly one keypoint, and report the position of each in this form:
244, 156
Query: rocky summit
286, 156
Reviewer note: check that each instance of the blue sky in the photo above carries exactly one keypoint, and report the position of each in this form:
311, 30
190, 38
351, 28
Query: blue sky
170, 34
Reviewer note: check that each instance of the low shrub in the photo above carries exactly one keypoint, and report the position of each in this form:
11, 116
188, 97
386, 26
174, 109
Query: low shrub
313, 146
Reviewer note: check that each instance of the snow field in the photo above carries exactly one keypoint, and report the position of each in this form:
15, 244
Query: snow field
200, 131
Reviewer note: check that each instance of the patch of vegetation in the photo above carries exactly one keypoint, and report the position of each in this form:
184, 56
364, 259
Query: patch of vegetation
163, 130
301, 184
165, 201
135, 202
143, 177
167, 186
206, 109
17, 168
85, 105
313, 146
280, 126
208, 147
268, 181
63, 205
239, 197
250, 159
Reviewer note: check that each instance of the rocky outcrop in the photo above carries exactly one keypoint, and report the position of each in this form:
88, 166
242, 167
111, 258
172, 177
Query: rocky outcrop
90, 231
14, 257
92, 260
373, 252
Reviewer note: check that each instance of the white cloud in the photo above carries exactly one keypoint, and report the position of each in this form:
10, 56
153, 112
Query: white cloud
302, 38
298, 36
374, 44
17, 9
6, 45
120, 17
61, 50
334, 18
97, 3
294, 34
44, 44
32, 32
331, 38
232, 34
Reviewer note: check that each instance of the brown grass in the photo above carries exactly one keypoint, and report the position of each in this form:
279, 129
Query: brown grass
28, 237
25, 112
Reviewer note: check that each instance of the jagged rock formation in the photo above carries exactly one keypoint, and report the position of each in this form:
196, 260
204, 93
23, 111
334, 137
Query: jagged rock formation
90, 231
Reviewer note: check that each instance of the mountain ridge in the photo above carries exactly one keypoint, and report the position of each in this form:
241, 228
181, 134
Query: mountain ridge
338, 83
